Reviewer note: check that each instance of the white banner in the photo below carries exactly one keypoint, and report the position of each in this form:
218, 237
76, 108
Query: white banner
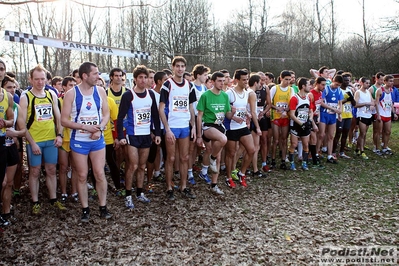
21, 37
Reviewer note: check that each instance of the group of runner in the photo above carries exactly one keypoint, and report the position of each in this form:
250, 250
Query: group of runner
171, 118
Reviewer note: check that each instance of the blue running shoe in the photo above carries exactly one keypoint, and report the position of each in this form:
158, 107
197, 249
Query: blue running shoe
205, 178
191, 180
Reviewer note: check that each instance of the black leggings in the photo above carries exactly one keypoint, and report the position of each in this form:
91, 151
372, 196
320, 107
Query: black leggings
114, 169
153, 150
3, 160
111, 161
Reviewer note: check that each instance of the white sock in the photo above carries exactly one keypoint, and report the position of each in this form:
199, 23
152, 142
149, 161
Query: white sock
204, 169
300, 149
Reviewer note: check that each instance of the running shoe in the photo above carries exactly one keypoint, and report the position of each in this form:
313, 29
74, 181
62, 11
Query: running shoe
230, 183
85, 216
191, 180
234, 174
242, 180
59, 206
142, 198
259, 174
89, 186
159, 178
349, 145
266, 169
318, 165
283, 166
170, 195
293, 168
213, 165
364, 156
121, 192
378, 152
332, 160
4, 222
205, 178
36, 208
387, 151
357, 153
216, 190
64, 198
343, 155
187, 192
16, 193
105, 213
75, 197
305, 166
150, 188
129, 202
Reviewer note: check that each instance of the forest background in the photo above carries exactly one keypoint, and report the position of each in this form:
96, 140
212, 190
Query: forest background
261, 35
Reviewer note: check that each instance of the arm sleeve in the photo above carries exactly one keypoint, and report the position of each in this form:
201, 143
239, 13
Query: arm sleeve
124, 106
164, 95
155, 115
192, 97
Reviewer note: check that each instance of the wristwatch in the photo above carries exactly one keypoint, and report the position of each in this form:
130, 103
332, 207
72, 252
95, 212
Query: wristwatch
102, 129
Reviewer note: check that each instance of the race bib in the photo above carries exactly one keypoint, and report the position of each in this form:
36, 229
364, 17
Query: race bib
332, 105
284, 105
241, 112
317, 111
259, 109
219, 118
180, 103
347, 108
9, 141
303, 115
88, 120
387, 104
143, 116
44, 112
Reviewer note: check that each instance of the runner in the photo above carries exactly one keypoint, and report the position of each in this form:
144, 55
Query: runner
365, 107
280, 96
385, 109
329, 110
86, 113
237, 130
315, 97
301, 123
177, 113
139, 105
213, 107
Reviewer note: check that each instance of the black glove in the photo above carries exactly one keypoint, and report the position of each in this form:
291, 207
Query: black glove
307, 125
350, 98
